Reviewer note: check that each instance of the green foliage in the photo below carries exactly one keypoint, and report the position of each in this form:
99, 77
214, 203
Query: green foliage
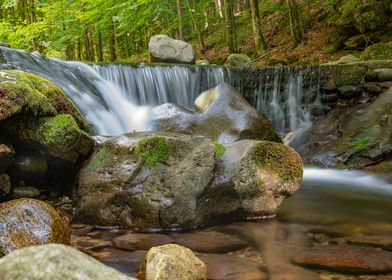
362, 145
219, 150
153, 150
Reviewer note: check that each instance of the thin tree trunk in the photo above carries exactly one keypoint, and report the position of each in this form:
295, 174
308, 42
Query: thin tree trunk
260, 43
112, 44
230, 34
196, 27
99, 47
180, 20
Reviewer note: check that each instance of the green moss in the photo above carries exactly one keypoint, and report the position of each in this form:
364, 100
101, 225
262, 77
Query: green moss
153, 150
98, 159
60, 130
279, 159
219, 150
350, 74
362, 145
380, 51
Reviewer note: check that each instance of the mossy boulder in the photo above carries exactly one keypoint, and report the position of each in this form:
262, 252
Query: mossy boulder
238, 60
223, 115
55, 262
27, 222
380, 51
171, 181
36, 115
379, 75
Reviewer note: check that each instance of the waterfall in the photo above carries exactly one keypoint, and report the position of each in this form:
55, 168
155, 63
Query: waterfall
118, 98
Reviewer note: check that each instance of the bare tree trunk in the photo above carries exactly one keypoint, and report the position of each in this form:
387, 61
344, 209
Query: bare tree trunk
180, 20
260, 43
230, 32
112, 44
99, 47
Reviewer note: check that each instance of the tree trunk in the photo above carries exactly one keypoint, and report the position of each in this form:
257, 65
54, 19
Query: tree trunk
180, 20
260, 43
230, 33
196, 27
112, 44
99, 47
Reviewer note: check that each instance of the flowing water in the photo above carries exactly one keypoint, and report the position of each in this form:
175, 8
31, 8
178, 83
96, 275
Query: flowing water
118, 98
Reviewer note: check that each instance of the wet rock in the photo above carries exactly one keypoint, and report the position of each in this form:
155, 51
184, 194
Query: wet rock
138, 241
202, 62
379, 75
25, 192
6, 45
172, 181
346, 259
380, 51
5, 184
27, 222
29, 166
59, 261
88, 244
165, 49
383, 242
231, 267
80, 229
7, 154
223, 115
38, 113
373, 88
350, 91
172, 262
238, 60
209, 242
329, 98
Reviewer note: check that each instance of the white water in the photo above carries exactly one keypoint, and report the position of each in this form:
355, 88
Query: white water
354, 179
117, 98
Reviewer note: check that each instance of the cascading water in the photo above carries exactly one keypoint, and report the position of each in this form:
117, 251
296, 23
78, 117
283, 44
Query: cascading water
117, 98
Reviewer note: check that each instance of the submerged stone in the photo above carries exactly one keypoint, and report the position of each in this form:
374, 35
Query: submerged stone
25, 192
27, 222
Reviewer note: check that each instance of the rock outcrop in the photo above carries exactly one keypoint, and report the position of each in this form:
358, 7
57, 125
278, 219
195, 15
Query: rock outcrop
222, 115
165, 49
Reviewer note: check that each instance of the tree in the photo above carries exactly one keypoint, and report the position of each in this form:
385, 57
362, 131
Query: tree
260, 43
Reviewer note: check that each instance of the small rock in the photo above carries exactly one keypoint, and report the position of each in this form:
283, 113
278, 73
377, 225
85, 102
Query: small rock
29, 166
350, 91
383, 242
25, 192
238, 60
55, 261
231, 267
136, 241
7, 154
347, 59
202, 62
209, 242
329, 98
379, 75
373, 88
27, 222
346, 259
80, 229
172, 262
5, 184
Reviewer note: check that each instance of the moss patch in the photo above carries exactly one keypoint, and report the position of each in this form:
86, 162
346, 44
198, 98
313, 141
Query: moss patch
381, 51
60, 130
153, 150
219, 150
279, 159
98, 159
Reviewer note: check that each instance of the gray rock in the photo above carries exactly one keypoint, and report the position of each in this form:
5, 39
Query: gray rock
6, 45
5, 184
195, 183
223, 115
25, 192
348, 59
165, 49
238, 60
329, 98
54, 262
202, 62
373, 88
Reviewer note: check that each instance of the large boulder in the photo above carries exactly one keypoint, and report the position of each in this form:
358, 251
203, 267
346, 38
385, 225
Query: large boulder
27, 222
222, 115
165, 49
172, 181
172, 262
38, 118
55, 262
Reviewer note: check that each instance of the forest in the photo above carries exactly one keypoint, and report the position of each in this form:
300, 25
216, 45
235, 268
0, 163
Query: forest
269, 31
